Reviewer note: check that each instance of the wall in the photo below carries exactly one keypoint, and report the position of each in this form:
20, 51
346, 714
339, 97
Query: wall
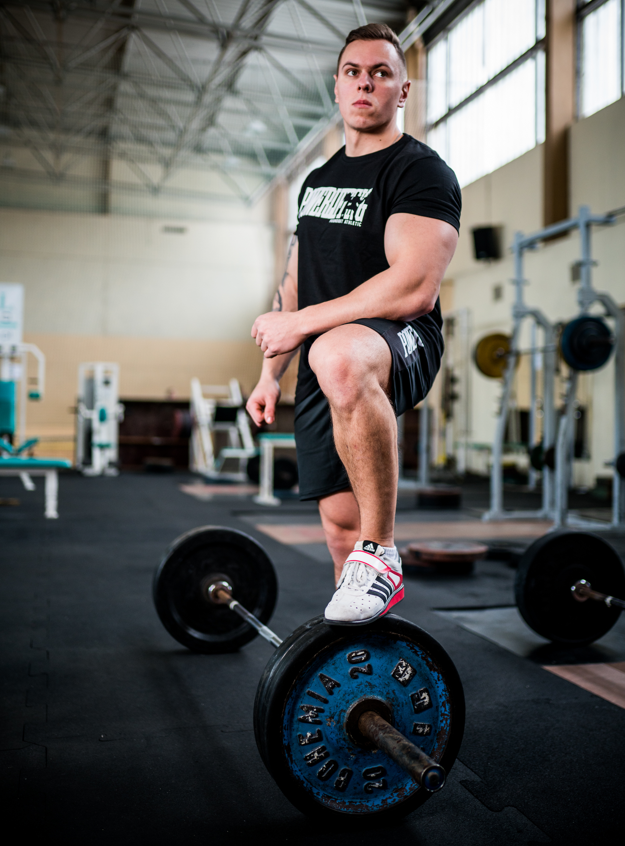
511, 198
167, 299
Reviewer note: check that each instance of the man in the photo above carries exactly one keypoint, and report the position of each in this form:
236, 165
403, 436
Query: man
378, 225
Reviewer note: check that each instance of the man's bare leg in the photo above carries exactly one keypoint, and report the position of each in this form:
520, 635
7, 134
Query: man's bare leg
353, 364
340, 519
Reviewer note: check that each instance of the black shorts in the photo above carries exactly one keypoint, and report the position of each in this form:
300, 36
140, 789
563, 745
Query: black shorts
415, 362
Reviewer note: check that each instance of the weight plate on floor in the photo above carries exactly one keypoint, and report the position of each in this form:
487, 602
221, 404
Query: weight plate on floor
586, 343
180, 588
537, 458
448, 552
285, 474
491, 355
546, 572
302, 715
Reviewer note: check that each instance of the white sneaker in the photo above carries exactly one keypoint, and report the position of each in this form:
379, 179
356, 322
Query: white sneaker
368, 587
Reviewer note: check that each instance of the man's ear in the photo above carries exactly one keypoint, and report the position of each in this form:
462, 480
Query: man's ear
405, 88
336, 79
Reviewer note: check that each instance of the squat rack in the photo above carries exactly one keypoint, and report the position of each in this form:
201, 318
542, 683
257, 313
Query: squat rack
521, 311
555, 485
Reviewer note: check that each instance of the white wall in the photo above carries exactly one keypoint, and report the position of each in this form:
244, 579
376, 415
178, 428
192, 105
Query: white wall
168, 298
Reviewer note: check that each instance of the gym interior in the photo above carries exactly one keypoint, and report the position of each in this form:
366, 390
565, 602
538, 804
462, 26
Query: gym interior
151, 158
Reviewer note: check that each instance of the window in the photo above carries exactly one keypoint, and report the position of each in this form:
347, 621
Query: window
601, 46
485, 86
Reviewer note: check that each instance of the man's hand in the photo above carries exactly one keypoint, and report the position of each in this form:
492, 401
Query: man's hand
261, 405
278, 332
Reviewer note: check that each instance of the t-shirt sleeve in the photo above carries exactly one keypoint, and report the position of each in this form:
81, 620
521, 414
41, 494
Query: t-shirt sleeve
428, 187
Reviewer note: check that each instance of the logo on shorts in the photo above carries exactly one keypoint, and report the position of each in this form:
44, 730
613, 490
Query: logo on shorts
410, 340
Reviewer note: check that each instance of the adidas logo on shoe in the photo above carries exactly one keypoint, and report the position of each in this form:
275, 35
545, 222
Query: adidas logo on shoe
368, 546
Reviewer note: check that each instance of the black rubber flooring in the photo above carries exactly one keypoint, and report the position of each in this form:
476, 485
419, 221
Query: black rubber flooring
113, 733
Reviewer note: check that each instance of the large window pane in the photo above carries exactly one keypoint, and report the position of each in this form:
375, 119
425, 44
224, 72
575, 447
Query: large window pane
495, 128
510, 30
437, 81
467, 67
505, 119
601, 57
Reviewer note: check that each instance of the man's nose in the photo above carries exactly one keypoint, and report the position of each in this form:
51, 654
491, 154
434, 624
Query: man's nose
365, 83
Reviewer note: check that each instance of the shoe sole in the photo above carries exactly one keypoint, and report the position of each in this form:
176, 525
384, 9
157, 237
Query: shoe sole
395, 598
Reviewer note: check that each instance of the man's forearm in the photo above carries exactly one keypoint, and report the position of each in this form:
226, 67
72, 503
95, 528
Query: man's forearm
392, 294
275, 368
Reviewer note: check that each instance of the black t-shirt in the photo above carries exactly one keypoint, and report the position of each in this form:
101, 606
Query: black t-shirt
342, 212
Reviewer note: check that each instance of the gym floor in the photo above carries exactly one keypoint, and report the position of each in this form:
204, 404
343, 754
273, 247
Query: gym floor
113, 733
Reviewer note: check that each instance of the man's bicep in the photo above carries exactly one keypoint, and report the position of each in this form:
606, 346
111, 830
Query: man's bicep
425, 243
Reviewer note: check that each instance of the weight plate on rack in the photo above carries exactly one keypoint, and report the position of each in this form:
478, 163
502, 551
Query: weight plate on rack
491, 355
315, 683
546, 573
586, 343
180, 588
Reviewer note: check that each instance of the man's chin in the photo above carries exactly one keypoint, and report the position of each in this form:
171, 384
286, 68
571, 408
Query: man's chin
366, 125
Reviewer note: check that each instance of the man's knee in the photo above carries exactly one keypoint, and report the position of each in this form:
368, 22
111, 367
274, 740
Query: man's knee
345, 367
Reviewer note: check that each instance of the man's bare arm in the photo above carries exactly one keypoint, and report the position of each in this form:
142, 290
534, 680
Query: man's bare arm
262, 402
418, 250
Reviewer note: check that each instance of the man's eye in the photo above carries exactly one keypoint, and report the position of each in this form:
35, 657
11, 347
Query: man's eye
382, 73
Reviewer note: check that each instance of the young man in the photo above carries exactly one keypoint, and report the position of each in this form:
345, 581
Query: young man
378, 225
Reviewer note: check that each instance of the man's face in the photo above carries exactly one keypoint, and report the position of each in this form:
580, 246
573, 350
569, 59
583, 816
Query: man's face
370, 85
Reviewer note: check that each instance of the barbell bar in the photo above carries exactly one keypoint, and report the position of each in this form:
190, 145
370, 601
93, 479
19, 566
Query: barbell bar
322, 695
582, 590
371, 725
585, 344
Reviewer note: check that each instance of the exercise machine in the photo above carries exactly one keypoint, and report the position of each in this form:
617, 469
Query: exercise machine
219, 408
98, 414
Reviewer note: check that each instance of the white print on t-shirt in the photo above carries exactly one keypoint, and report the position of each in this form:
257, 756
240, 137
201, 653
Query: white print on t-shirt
410, 340
337, 205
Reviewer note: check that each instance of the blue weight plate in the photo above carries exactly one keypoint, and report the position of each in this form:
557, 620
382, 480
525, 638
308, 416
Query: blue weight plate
305, 696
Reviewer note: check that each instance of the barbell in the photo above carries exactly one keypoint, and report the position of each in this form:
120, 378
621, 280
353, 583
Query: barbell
335, 706
556, 576
585, 343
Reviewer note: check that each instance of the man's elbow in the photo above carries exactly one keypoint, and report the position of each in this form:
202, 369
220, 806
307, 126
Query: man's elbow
420, 305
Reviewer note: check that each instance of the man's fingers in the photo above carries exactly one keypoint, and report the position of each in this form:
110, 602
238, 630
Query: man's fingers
270, 411
255, 410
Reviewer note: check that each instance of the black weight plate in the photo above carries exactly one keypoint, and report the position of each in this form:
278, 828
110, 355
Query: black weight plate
302, 700
546, 573
284, 473
586, 343
537, 457
180, 582
620, 464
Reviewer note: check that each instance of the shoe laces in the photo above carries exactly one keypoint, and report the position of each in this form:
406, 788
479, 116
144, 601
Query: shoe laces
357, 575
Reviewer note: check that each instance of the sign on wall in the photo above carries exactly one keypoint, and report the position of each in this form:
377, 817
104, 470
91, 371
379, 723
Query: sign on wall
11, 313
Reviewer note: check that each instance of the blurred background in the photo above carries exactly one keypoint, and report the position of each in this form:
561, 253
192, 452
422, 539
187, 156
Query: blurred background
151, 154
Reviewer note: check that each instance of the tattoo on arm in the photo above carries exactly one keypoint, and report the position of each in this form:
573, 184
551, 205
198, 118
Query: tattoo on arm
277, 300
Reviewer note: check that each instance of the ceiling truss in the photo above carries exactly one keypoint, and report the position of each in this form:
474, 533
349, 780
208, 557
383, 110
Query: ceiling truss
138, 94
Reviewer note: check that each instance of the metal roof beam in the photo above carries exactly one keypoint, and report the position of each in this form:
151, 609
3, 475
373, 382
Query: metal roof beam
167, 22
